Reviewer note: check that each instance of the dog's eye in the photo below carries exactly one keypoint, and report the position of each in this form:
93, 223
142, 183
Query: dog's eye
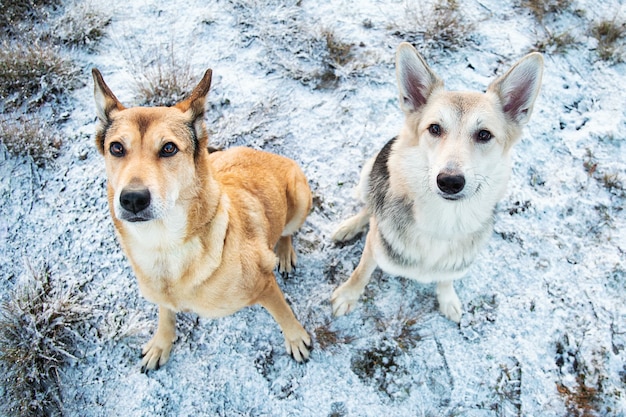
169, 149
484, 136
117, 149
434, 130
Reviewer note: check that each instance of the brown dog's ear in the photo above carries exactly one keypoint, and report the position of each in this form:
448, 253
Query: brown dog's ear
194, 108
519, 87
106, 105
416, 81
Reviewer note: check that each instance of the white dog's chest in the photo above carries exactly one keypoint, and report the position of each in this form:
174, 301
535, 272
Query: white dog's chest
426, 258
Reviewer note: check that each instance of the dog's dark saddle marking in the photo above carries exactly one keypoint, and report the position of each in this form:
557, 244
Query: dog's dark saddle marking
393, 210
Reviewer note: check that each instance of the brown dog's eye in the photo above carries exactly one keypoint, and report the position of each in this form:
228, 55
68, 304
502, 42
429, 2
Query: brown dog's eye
117, 149
169, 149
484, 136
434, 130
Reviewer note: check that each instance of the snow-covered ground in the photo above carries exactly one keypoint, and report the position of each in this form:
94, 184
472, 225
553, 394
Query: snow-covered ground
545, 303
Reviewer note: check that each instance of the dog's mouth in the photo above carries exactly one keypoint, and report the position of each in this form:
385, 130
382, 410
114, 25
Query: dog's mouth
452, 197
135, 218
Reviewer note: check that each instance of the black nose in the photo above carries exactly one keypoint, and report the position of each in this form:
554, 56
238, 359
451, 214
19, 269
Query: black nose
450, 184
135, 200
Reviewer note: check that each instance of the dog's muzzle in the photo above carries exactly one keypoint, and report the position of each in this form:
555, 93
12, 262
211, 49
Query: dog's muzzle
135, 203
450, 185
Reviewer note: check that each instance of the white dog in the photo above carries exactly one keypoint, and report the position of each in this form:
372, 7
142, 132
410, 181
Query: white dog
430, 192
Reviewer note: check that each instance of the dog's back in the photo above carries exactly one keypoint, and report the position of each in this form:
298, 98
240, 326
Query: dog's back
276, 183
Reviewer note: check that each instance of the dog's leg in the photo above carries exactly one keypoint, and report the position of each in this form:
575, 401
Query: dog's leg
157, 351
297, 340
286, 255
345, 297
351, 227
449, 303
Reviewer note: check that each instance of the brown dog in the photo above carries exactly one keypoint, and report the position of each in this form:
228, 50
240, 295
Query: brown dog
199, 229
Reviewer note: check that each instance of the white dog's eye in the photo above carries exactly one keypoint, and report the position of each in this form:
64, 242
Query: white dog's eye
484, 136
434, 129
169, 149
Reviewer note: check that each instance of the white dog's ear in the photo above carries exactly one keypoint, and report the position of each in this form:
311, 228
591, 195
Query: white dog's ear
416, 81
519, 87
106, 105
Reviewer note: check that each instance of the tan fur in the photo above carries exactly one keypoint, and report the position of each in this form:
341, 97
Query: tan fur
206, 241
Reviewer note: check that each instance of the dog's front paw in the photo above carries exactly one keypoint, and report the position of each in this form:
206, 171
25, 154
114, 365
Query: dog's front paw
344, 300
449, 303
299, 345
345, 231
155, 353
452, 310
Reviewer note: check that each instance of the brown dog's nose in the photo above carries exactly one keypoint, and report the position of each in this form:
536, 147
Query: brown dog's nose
450, 183
135, 200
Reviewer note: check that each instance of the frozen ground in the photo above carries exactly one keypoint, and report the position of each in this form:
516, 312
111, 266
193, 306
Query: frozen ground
544, 328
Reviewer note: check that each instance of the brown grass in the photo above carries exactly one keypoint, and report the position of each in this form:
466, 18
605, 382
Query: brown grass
15, 12
38, 335
82, 25
162, 77
33, 73
609, 34
443, 26
541, 8
30, 135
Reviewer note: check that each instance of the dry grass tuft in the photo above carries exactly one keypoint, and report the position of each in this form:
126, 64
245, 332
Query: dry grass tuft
555, 43
541, 8
30, 135
161, 81
609, 34
39, 325
441, 27
33, 73
15, 12
82, 25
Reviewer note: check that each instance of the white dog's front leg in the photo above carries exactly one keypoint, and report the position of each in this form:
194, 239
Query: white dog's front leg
345, 298
449, 303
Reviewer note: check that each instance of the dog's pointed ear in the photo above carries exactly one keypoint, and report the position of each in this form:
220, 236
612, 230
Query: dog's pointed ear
519, 87
106, 105
193, 107
416, 81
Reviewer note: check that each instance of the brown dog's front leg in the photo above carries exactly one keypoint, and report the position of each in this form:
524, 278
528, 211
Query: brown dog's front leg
157, 351
297, 340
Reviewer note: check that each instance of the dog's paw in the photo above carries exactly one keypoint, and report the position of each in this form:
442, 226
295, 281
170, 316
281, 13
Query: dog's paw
452, 311
451, 307
299, 346
343, 300
345, 231
449, 303
287, 258
155, 354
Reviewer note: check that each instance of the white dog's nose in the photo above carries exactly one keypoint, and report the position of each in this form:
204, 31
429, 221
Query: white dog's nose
450, 183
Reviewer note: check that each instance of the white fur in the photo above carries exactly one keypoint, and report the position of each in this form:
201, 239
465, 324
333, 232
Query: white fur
421, 231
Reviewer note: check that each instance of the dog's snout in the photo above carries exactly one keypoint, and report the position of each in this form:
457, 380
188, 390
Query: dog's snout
135, 200
450, 183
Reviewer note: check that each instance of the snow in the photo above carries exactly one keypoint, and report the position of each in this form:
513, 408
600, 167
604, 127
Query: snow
544, 302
